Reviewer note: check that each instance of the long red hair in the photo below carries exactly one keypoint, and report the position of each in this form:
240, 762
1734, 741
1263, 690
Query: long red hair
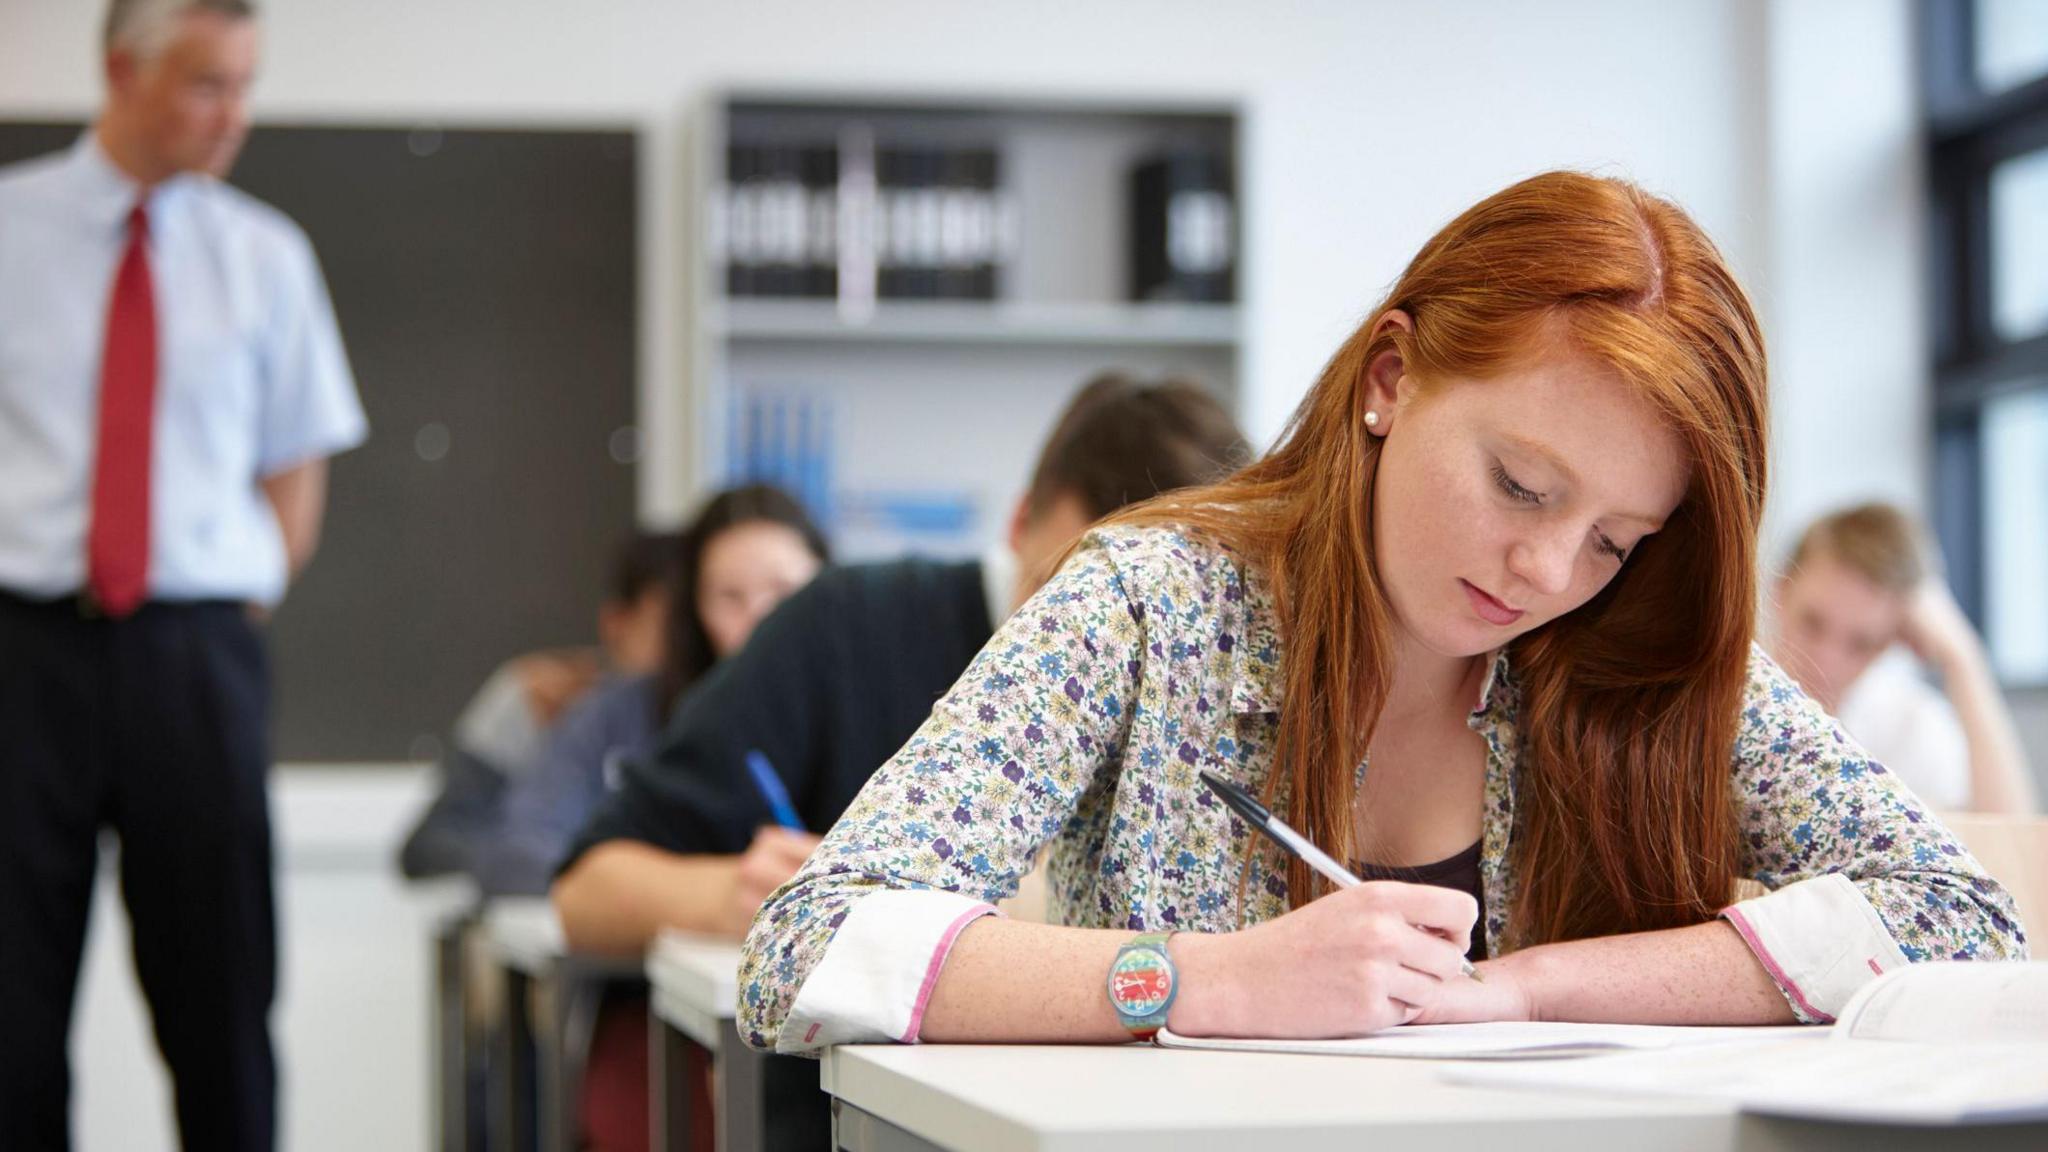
1629, 704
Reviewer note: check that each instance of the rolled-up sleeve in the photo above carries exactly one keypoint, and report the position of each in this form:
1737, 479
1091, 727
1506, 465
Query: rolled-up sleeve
1861, 877
310, 407
849, 949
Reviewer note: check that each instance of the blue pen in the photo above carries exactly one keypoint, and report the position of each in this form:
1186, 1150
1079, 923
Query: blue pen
772, 790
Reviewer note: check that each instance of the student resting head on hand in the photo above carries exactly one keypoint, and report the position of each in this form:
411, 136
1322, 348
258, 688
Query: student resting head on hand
1482, 620
1857, 585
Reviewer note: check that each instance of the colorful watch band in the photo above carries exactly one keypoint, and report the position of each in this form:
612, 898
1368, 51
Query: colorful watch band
1142, 984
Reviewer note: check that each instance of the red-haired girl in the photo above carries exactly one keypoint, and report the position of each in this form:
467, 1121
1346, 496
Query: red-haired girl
1480, 625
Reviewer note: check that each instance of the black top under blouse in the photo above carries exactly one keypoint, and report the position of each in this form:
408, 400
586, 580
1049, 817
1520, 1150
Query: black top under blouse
1460, 872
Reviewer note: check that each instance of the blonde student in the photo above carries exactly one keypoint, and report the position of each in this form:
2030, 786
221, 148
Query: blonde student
1494, 588
1857, 587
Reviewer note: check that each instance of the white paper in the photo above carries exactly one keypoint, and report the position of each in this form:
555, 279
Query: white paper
1500, 1040
1875, 1081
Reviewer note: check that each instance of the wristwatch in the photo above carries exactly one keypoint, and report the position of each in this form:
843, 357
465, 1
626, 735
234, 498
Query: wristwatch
1142, 984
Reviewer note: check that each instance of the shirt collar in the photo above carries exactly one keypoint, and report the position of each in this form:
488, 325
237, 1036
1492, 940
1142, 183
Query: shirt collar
107, 194
1498, 693
1255, 654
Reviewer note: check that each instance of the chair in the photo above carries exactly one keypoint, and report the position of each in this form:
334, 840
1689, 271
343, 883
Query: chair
2014, 849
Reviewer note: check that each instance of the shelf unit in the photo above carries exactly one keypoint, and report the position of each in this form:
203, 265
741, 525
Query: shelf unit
918, 419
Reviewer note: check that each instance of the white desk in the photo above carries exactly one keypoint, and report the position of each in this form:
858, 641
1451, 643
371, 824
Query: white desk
524, 934
446, 908
692, 987
1142, 1099
525, 938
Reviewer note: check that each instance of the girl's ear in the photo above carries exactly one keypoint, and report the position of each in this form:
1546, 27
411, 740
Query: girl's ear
1386, 381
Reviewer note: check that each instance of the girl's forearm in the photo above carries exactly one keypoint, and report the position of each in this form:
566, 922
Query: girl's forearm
1704, 974
1009, 981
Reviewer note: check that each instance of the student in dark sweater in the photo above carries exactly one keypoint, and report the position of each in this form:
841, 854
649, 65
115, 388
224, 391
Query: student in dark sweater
837, 678
832, 683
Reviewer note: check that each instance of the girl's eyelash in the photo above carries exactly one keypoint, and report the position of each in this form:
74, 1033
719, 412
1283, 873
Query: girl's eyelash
1507, 484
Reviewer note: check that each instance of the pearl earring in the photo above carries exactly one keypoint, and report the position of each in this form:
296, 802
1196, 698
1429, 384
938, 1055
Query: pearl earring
1372, 418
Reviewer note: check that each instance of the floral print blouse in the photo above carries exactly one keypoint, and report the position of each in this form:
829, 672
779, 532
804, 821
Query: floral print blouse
1154, 654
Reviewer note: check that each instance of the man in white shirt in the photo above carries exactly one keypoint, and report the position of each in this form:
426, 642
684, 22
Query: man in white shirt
1856, 589
171, 383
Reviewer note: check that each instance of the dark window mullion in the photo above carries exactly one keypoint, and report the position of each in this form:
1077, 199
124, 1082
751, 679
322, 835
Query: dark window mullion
1957, 503
1947, 75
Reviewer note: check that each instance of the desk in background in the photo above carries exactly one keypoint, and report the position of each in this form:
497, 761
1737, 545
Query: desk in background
448, 909
692, 990
552, 997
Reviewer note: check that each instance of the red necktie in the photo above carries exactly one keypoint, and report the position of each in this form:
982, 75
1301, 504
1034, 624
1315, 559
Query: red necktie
117, 549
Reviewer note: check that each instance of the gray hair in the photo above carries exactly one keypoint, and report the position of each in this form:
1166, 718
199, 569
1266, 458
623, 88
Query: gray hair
144, 27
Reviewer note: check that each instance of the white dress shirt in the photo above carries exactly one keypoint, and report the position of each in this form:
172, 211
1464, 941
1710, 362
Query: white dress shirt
252, 379
1908, 726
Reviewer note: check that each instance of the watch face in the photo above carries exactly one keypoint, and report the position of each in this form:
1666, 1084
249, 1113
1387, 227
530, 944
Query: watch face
1140, 982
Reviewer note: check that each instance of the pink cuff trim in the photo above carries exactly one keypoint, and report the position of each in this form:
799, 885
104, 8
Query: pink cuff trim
1763, 954
938, 961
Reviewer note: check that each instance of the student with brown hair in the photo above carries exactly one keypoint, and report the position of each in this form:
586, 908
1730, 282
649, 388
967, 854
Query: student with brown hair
839, 676
833, 682
747, 550
1857, 585
1488, 606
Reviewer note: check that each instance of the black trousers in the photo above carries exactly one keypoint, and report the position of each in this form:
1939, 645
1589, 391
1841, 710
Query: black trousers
154, 726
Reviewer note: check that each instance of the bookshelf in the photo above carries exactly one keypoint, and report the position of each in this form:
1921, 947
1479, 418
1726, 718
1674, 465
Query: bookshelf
891, 299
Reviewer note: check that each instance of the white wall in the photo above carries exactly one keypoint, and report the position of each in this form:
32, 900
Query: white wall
1372, 122
1785, 127
1844, 303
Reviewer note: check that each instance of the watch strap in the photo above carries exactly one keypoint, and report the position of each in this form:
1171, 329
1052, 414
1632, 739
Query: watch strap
1142, 984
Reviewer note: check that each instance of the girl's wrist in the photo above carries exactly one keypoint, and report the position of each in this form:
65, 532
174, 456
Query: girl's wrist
1518, 978
1203, 1001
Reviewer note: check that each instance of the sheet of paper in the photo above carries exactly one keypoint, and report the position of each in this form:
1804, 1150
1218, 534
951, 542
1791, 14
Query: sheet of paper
1497, 1040
1949, 1002
1877, 1081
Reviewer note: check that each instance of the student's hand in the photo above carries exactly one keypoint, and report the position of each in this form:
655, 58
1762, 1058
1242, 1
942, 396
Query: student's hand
1501, 993
1349, 964
553, 680
766, 865
1936, 629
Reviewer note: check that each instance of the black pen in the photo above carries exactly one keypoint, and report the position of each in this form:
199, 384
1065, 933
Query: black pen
1256, 815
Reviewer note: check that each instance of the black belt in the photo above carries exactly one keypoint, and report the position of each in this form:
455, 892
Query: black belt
85, 606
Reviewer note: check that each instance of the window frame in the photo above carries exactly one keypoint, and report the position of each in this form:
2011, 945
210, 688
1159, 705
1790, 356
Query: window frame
1968, 133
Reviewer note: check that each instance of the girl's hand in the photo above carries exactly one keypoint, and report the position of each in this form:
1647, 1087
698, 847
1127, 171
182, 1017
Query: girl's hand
1503, 994
1348, 964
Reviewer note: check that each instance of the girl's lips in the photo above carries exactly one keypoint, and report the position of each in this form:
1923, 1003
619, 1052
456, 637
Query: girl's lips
1489, 609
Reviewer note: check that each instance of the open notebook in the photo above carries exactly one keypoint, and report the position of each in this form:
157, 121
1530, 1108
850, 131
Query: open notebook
1940, 1043
1498, 1041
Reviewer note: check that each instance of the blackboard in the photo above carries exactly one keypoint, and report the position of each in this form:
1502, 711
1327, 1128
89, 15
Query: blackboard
485, 281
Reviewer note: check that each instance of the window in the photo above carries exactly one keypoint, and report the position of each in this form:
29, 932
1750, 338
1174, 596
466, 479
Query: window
2010, 42
1986, 94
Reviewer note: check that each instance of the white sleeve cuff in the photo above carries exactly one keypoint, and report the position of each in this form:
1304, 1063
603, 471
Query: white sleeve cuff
1820, 940
872, 984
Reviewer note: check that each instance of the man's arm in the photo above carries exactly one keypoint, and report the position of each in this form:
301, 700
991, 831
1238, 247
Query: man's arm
298, 495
